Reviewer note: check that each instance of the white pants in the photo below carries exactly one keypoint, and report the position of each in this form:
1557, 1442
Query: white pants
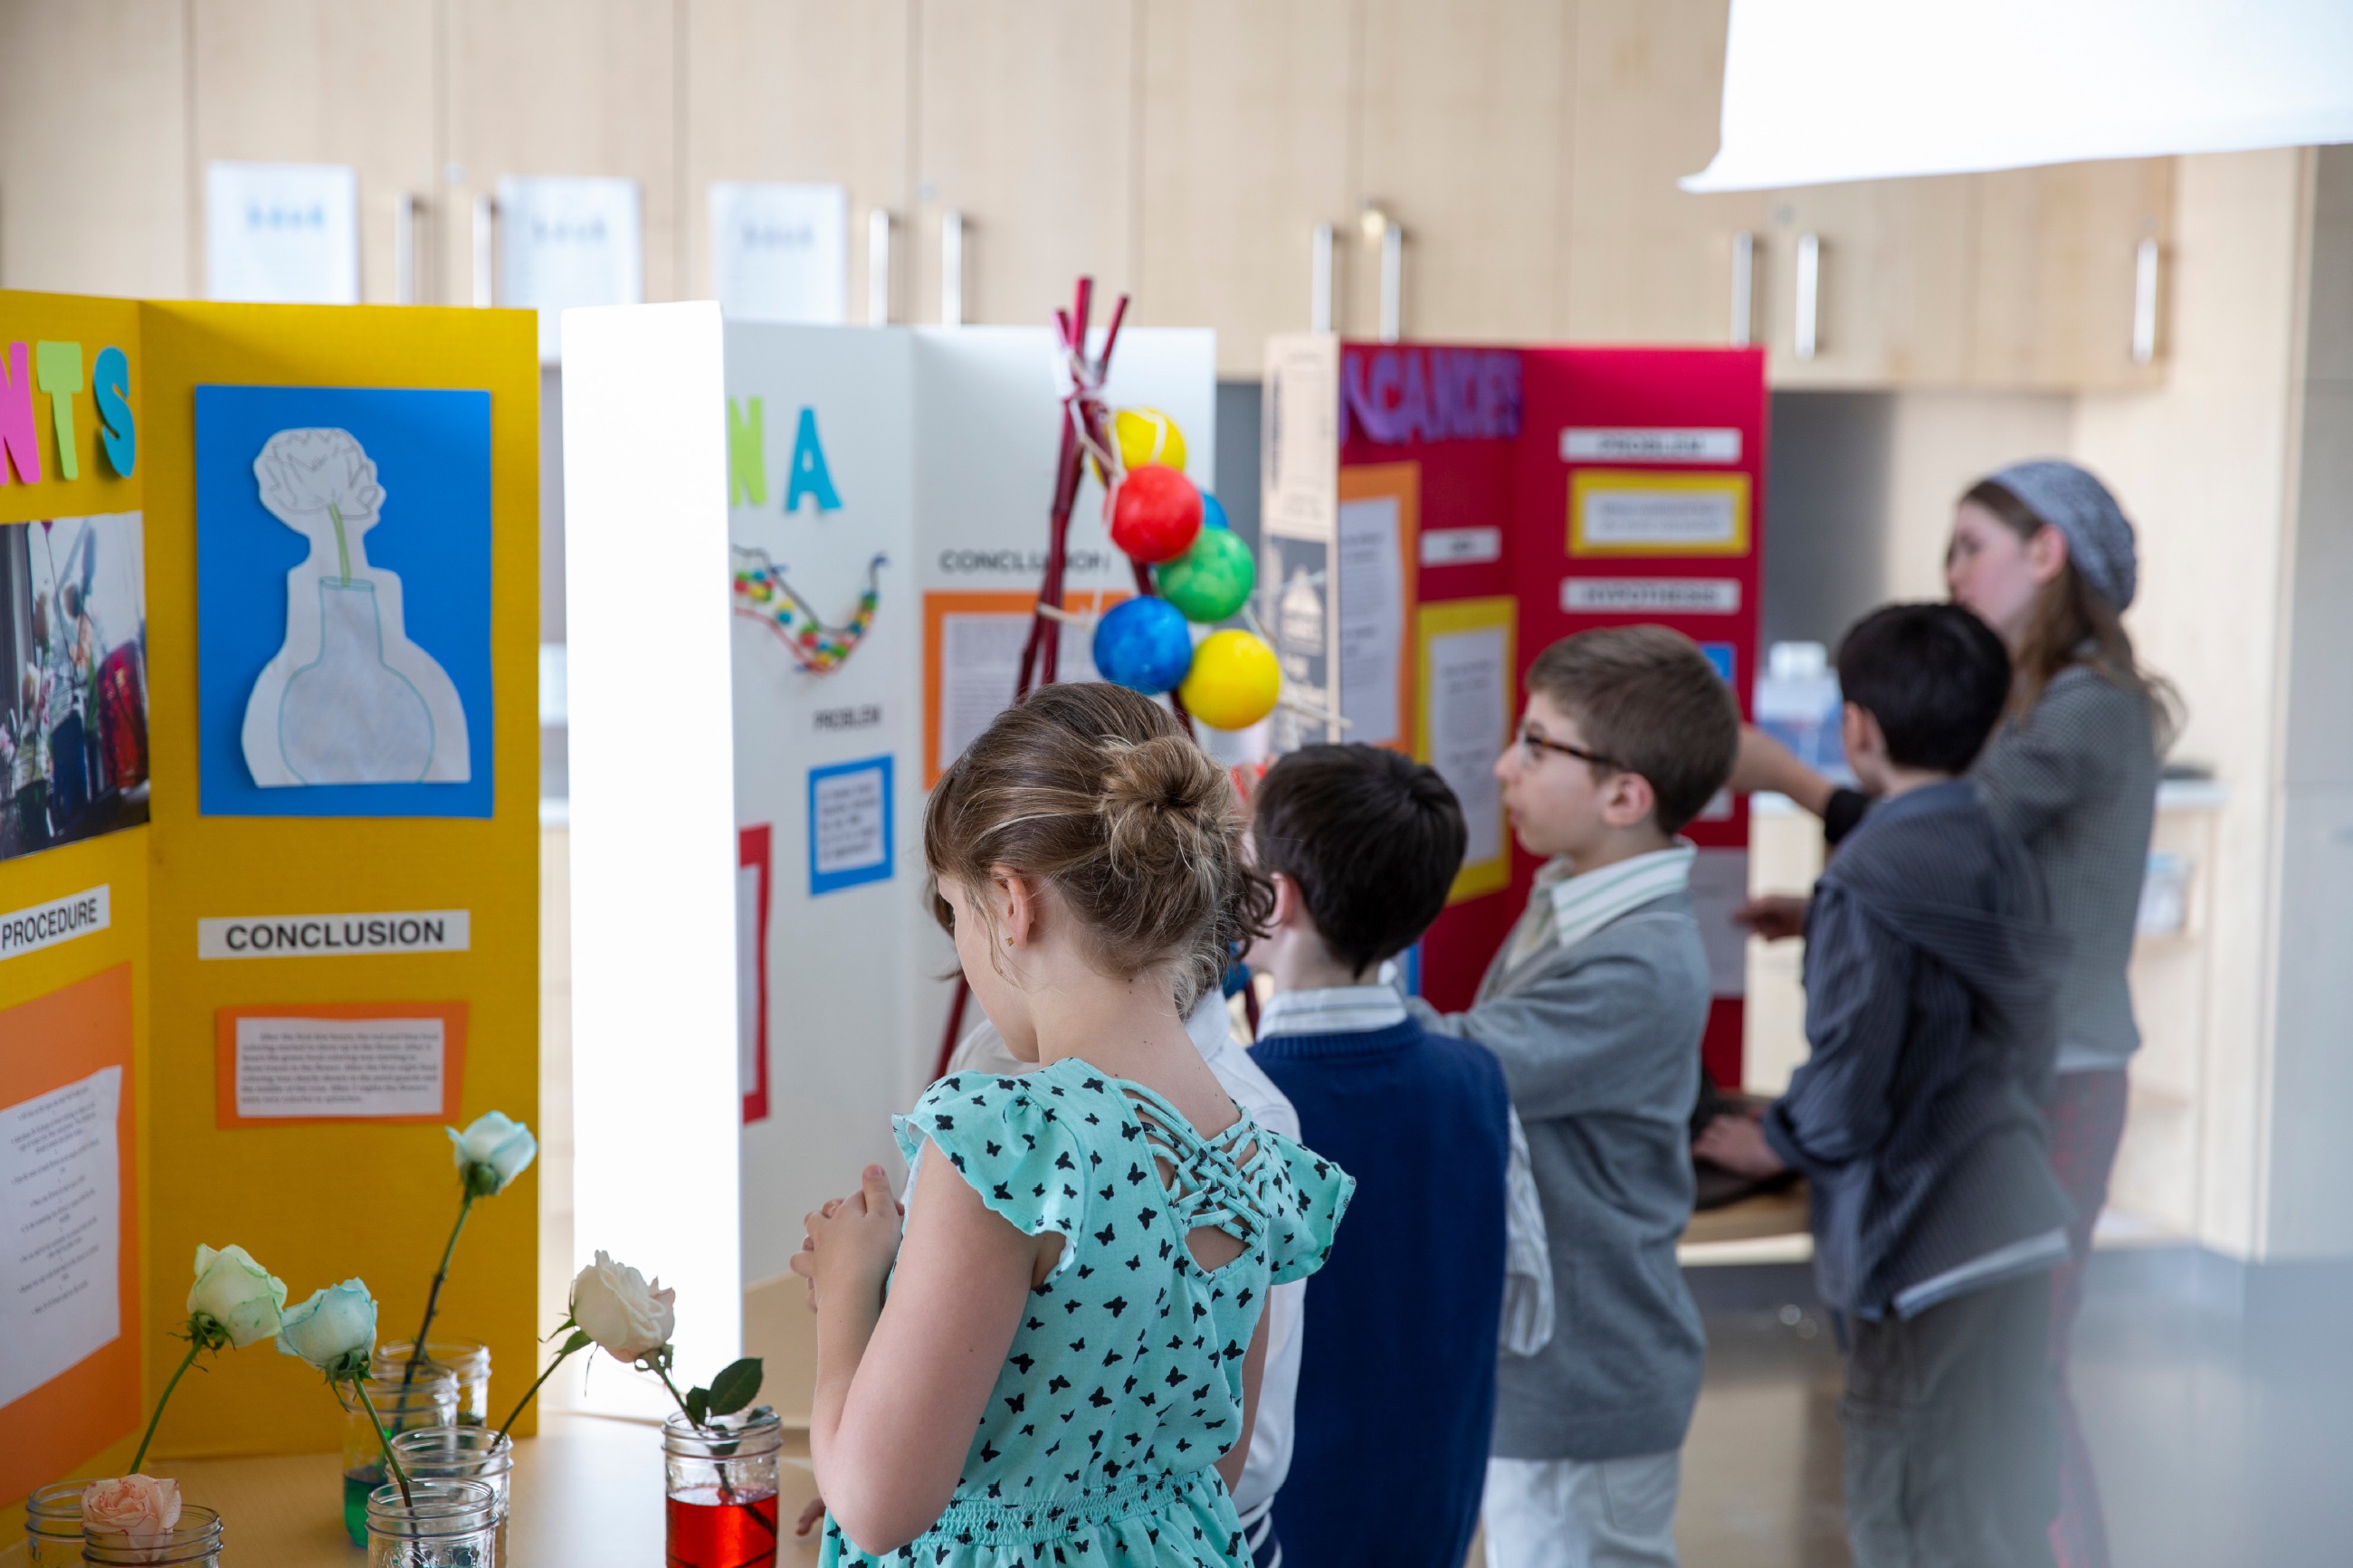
1578, 1513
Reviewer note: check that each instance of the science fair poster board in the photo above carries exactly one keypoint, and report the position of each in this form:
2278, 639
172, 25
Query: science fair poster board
1552, 490
875, 500
134, 924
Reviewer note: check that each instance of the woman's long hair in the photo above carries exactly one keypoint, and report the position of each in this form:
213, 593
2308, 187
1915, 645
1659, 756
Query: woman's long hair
2072, 624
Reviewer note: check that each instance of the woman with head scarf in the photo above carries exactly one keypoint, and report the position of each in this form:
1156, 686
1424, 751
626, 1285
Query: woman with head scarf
2041, 553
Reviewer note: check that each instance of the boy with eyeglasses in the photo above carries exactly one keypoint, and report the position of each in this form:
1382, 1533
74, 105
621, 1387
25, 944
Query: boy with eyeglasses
1595, 1007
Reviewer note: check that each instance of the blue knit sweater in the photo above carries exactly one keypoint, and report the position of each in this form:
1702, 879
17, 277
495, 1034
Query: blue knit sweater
1397, 1377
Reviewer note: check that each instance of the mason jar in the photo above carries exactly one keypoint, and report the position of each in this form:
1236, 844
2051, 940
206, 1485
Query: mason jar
720, 1507
468, 1360
193, 1543
53, 1525
440, 1524
463, 1454
429, 1401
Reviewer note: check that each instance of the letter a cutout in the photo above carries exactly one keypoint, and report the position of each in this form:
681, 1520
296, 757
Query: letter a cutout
809, 476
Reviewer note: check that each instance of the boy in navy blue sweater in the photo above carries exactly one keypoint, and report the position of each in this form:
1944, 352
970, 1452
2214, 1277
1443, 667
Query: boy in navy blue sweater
1397, 1378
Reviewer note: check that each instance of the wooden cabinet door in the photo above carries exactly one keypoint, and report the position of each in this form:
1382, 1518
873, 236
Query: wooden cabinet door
1024, 125
1891, 292
2055, 274
1462, 130
804, 90
1243, 150
564, 87
1647, 262
292, 81
94, 169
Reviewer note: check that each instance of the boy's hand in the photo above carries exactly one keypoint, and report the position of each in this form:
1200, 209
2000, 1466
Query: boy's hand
809, 1516
1737, 1143
850, 1242
1774, 916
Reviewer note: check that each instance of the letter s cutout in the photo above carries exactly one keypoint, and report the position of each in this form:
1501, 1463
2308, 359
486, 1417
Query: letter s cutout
109, 381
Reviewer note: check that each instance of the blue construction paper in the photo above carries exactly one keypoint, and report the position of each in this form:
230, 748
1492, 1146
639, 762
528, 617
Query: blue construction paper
432, 453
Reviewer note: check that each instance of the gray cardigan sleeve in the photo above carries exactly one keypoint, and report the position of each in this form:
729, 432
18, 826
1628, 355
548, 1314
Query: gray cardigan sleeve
2071, 748
1572, 1038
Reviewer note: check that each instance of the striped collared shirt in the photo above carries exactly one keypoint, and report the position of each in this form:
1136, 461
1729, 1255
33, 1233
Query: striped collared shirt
1567, 907
1337, 1010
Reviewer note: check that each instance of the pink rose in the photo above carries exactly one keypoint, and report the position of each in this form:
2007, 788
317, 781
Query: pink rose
141, 1507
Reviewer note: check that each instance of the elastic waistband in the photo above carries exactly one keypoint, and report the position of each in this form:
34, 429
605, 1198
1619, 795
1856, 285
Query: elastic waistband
970, 1520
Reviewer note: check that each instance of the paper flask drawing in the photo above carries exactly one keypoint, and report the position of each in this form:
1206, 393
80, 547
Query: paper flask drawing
348, 699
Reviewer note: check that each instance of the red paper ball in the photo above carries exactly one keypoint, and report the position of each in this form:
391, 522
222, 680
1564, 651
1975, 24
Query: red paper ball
1156, 514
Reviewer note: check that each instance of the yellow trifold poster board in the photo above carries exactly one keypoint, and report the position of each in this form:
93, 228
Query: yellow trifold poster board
268, 846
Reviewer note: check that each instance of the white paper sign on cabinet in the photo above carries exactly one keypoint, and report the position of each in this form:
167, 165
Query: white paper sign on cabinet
781, 252
565, 243
282, 234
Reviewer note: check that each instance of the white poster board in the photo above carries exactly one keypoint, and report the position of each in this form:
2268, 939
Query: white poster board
780, 253
564, 243
282, 234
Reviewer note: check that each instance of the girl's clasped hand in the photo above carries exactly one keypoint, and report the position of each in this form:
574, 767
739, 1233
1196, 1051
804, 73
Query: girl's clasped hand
851, 1241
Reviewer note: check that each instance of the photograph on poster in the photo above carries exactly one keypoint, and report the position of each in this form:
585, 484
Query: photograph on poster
73, 680
344, 601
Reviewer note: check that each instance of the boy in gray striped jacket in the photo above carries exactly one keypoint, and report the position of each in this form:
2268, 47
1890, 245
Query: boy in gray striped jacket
1595, 1008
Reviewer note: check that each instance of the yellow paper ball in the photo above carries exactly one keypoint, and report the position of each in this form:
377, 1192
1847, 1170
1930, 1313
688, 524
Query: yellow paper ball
1234, 680
1147, 436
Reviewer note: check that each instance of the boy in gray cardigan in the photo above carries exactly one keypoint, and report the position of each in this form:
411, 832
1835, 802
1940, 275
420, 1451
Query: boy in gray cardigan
1595, 1008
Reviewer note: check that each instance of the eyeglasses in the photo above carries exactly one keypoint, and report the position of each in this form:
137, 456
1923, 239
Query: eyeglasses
1536, 745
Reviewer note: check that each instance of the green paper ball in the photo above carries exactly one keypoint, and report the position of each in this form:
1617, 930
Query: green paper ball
1213, 579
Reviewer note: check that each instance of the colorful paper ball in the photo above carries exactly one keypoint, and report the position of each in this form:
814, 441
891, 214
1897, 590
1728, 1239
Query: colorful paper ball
1155, 514
1144, 645
1213, 579
1213, 511
1234, 681
1147, 436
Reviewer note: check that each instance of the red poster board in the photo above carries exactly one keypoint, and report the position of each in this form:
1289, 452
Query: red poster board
1588, 488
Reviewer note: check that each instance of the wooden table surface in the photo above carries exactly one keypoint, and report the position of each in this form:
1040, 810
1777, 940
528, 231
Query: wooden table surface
588, 1491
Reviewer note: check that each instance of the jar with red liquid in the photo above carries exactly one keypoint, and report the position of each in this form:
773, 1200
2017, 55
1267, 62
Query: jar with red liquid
721, 1507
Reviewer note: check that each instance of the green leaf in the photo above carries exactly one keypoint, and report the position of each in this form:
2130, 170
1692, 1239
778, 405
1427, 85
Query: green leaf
698, 1405
735, 1386
578, 1342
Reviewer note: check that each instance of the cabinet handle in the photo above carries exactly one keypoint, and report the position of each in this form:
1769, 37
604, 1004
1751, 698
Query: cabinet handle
1319, 280
405, 209
952, 269
486, 212
1810, 282
1743, 286
878, 267
2144, 331
1392, 282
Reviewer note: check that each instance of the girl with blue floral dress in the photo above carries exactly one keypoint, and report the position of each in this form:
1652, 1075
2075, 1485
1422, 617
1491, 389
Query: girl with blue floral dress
1054, 1358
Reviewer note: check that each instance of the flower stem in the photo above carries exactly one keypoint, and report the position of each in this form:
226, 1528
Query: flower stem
196, 1343
343, 548
391, 1460
664, 1374
533, 1392
433, 1297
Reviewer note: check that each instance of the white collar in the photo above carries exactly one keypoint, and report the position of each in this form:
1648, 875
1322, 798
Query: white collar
1333, 1010
1582, 904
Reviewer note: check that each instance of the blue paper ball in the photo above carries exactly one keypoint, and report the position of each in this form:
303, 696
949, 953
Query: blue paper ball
1144, 645
1213, 511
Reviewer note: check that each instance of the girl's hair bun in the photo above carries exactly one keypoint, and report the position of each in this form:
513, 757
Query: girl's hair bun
1094, 788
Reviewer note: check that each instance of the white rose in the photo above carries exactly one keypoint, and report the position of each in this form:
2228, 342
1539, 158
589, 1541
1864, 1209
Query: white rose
492, 1152
334, 1331
141, 1507
614, 1306
304, 472
240, 1296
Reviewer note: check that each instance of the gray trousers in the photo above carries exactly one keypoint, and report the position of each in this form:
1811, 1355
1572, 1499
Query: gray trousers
1952, 1435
